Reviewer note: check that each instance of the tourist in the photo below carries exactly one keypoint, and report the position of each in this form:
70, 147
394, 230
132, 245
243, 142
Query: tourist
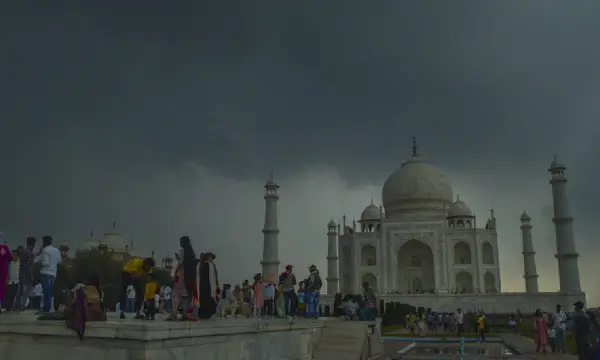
167, 298
131, 296
36, 296
480, 328
13, 281
581, 327
150, 297
247, 295
258, 299
5, 260
209, 282
188, 267
552, 335
84, 303
560, 325
459, 319
595, 332
349, 307
228, 302
512, 324
540, 330
269, 299
301, 299
178, 294
26, 259
131, 273
50, 261
288, 284
369, 308
313, 290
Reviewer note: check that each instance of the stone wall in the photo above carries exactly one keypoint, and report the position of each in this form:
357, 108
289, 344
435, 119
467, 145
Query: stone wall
497, 303
235, 339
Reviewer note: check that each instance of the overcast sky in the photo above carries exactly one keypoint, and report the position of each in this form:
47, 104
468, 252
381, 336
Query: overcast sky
169, 117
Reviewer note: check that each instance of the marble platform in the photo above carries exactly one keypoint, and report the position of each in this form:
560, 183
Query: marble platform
23, 337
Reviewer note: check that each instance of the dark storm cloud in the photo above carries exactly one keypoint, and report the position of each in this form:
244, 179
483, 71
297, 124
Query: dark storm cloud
100, 97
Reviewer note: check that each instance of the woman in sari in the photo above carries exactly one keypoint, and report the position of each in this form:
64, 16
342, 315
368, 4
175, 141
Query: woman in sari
208, 284
258, 300
86, 304
540, 331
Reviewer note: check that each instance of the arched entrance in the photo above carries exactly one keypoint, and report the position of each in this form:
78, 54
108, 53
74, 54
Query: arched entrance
415, 272
462, 253
489, 282
464, 282
487, 253
371, 279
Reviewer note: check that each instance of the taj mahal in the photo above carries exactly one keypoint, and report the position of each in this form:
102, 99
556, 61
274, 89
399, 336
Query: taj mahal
424, 247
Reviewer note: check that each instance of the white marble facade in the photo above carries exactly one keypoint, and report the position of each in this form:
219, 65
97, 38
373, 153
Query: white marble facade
427, 245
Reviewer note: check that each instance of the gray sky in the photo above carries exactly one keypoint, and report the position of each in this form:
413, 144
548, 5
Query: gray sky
169, 119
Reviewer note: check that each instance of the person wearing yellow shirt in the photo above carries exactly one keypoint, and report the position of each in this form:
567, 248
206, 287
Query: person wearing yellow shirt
131, 273
480, 328
150, 297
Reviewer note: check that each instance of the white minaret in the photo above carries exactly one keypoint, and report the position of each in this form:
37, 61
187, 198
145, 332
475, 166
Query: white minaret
270, 260
568, 270
333, 279
530, 275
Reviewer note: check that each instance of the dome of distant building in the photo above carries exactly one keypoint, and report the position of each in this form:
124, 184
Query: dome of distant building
371, 212
90, 243
459, 208
115, 241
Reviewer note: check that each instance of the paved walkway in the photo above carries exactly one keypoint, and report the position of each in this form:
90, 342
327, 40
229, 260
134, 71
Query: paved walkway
527, 347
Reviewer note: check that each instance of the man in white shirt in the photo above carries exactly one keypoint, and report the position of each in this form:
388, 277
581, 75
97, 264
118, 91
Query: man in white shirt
459, 318
560, 325
167, 298
131, 296
50, 260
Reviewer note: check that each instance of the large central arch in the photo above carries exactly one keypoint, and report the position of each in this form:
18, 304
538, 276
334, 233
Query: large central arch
415, 267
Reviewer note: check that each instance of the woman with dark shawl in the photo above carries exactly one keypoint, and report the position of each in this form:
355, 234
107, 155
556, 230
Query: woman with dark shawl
208, 287
189, 267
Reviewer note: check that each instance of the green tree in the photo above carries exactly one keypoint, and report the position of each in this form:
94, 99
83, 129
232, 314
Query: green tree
93, 263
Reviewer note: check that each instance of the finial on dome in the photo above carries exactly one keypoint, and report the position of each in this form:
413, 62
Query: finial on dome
457, 197
492, 216
92, 232
414, 146
114, 224
371, 201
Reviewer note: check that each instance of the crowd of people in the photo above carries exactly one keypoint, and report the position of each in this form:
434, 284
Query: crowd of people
19, 290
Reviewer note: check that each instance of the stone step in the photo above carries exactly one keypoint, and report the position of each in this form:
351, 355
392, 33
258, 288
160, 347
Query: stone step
335, 355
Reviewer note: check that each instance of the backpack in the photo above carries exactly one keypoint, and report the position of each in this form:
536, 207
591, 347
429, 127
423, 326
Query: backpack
316, 282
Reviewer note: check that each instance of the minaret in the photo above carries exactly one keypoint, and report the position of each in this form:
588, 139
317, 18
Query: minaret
568, 270
332, 259
530, 275
270, 260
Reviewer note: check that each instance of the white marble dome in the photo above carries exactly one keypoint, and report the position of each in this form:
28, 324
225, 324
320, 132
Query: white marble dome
371, 212
459, 208
114, 241
416, 181
89, 244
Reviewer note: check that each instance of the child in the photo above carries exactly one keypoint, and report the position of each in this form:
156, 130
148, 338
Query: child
350, 308
480, 328
301, 295
149, 297
552, 336
269, 299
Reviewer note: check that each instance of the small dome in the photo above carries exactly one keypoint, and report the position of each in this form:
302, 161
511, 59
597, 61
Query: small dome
525, 216
114, 240
459, 208
371, 212
331, 224
88, 244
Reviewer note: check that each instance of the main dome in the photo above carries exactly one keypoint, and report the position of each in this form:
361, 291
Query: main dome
417, 184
